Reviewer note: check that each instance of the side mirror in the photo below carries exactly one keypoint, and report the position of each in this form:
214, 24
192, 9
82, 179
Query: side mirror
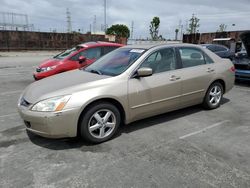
144, 71
81, 59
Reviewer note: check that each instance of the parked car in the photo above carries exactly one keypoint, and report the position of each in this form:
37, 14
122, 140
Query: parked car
77, 57
220, 50
242, 59
128, 84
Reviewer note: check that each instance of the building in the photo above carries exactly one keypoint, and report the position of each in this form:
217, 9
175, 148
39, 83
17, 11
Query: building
227, 38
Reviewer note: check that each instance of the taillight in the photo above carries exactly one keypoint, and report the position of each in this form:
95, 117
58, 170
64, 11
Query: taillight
232, 69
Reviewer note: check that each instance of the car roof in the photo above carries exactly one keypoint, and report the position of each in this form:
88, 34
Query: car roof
99, 43
148, 46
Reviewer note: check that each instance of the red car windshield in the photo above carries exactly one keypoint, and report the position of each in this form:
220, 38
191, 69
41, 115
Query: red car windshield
67, 53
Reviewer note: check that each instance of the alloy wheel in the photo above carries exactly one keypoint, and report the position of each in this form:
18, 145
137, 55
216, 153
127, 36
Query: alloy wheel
102, 123
215, 95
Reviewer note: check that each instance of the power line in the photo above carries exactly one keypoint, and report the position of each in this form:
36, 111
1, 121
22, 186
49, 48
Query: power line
14, 21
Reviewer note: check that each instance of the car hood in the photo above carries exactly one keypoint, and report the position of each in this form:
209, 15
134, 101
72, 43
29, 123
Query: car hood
50, 62
245, 38
61, 84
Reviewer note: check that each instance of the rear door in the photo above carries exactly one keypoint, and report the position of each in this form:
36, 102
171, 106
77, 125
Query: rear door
159, 92
197, 72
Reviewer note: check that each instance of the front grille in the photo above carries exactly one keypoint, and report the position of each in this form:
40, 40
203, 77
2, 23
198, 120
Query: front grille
242, 66
38, 69
24, 103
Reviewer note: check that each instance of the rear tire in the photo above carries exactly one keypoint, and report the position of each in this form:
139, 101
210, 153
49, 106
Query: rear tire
213, 96
100, 122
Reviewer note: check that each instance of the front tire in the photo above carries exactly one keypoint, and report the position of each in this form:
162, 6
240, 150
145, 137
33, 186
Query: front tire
100, 122
213, 96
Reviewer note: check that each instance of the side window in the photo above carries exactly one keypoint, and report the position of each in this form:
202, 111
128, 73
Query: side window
161, 60
220, 49
75, 57
191, 57
107, 49
91, 53
208, 59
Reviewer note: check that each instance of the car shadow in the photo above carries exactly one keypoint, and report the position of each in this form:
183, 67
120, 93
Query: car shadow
74, 143
242, 83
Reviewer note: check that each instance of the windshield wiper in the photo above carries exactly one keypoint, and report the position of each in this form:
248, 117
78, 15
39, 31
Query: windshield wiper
96, 71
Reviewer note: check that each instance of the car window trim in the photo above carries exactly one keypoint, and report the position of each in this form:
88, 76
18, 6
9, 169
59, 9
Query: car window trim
137, 67
222, 47
178, 51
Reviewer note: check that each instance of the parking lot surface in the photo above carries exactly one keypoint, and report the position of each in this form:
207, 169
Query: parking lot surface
191, 147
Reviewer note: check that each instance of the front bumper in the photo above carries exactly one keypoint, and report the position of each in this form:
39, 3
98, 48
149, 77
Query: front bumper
242, 74
51, 124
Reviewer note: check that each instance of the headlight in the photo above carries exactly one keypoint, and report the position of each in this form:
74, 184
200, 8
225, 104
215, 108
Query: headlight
51, 105
43, 69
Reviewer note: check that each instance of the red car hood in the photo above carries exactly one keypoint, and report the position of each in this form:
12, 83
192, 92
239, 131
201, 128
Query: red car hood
50, 62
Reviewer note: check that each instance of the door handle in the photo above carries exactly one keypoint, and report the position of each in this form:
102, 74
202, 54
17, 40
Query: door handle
210, 70
174, 78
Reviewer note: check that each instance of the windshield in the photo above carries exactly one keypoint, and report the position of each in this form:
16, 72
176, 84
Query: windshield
116, 62
67, 53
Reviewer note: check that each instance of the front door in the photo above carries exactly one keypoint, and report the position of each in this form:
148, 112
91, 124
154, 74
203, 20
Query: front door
159, 92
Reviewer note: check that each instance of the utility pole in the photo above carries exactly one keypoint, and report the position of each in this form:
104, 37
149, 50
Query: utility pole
180, 29
105, 15
132, 30
27, 22
69, 27
94, 25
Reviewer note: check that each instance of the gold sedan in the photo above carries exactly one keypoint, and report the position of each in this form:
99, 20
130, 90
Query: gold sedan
128, 84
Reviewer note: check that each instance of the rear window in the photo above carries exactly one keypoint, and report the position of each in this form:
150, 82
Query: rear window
191, 57
220, 49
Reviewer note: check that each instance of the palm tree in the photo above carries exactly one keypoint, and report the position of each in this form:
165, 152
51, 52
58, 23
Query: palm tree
176, 34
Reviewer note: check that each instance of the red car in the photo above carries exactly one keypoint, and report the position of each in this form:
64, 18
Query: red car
77, 57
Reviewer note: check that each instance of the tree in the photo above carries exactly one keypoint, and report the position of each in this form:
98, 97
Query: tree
193, 25
222, 28
176, 34
119, 30
154, 28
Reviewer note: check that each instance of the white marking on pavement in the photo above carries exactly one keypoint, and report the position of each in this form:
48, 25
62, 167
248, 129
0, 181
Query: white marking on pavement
8, 115
10, 74
11, 92
242, 89
205, 129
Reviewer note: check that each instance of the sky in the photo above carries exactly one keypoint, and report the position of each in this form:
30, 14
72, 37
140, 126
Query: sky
49, 15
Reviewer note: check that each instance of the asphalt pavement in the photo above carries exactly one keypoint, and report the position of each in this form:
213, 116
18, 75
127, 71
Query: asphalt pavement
191, 147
